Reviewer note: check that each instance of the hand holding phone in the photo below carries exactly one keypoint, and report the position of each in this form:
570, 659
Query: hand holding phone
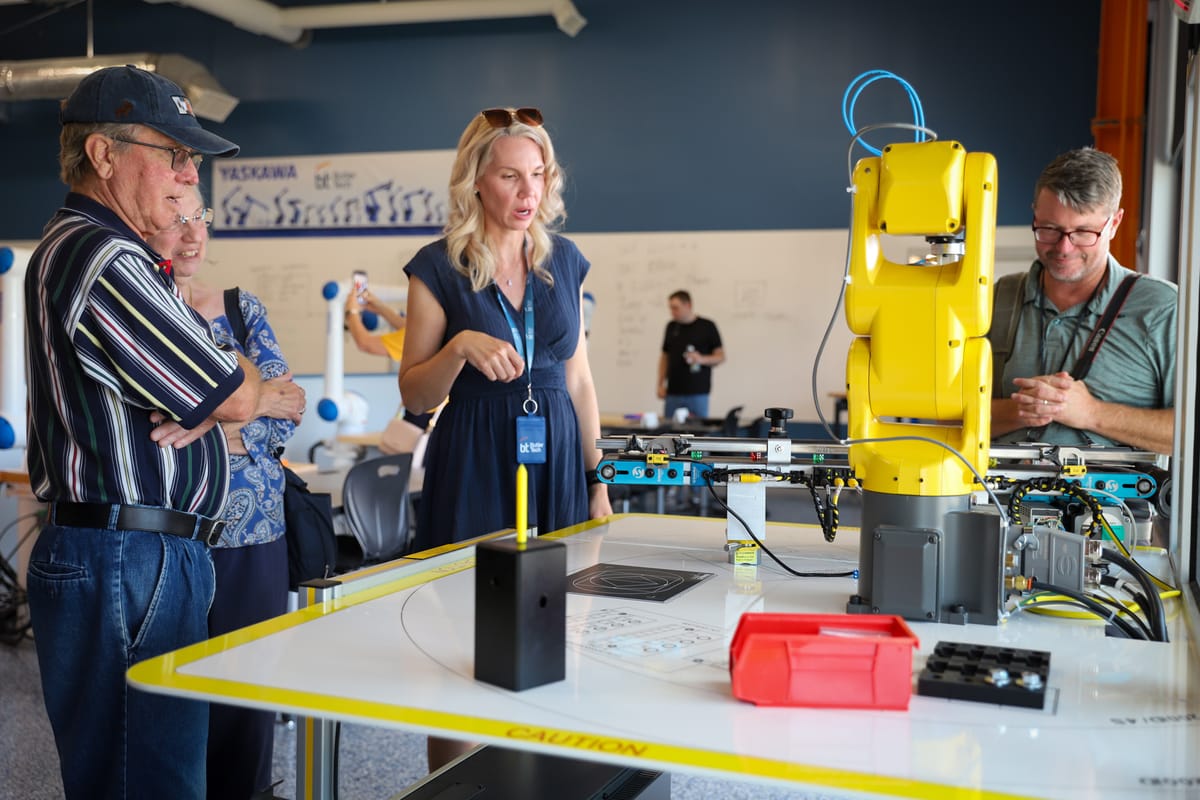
360, 286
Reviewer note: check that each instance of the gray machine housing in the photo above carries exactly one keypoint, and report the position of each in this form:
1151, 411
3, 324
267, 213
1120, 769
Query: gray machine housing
949, 563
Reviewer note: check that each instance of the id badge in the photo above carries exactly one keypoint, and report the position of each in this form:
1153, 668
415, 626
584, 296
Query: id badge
531, 439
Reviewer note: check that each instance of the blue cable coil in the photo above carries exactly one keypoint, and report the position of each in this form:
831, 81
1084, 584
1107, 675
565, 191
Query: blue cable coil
865, 79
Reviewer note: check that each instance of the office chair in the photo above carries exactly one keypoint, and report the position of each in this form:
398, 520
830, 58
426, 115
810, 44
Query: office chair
375, 501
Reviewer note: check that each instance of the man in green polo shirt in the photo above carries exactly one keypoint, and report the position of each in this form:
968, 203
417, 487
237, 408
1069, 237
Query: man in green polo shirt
1048, 393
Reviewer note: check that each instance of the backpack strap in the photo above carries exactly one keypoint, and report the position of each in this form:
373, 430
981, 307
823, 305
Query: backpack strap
233, 312
1084, 364
1007, 301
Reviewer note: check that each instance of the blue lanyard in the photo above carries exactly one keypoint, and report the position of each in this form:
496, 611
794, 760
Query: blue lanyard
526, 352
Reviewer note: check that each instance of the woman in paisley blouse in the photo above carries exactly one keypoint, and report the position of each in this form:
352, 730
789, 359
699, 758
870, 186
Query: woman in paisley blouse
251, 559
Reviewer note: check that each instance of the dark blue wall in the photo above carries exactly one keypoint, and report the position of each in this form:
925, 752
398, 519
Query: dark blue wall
668, 115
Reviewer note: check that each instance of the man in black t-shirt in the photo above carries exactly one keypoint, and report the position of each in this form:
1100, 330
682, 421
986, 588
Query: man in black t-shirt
691, 348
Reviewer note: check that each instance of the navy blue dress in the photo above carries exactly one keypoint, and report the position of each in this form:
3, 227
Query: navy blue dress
470, 463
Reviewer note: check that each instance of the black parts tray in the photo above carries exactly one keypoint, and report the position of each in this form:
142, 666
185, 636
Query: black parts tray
981, 674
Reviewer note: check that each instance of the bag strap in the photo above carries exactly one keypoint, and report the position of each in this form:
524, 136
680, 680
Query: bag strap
1009, 298
1092, 346
233, 312
237, 323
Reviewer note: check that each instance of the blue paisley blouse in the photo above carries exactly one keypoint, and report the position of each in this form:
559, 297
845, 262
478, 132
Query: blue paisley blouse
254, 512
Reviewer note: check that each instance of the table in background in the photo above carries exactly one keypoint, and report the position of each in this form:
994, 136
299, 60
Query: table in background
365, 440
626, 424
322, 482
15, 482
648, 683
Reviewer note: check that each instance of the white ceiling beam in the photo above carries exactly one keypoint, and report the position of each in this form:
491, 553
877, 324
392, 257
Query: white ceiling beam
289, 24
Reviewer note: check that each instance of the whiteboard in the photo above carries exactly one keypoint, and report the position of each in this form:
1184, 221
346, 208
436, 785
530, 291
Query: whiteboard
288, 274
771, 294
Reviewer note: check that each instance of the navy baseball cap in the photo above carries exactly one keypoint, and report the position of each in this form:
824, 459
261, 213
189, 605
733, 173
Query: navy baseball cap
129, 95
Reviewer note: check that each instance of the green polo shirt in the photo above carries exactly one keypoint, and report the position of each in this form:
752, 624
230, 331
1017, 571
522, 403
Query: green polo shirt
1135, 366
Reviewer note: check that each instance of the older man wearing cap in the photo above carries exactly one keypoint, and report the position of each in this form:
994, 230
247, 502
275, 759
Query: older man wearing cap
126, 386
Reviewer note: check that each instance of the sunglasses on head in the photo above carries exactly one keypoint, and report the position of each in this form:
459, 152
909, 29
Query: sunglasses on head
503, 117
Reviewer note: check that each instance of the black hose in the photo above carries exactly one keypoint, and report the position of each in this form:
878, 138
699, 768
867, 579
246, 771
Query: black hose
1122, 625
1155, 612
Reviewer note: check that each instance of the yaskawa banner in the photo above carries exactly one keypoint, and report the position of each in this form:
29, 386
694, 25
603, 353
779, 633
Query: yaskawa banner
354, 193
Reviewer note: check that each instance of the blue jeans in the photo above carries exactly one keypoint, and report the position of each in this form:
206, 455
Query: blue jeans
101, 601
696, 404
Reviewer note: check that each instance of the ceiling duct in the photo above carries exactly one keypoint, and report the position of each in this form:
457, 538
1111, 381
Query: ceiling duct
291, 24
55, 78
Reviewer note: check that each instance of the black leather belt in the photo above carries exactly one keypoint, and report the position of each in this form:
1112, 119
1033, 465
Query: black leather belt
138, 518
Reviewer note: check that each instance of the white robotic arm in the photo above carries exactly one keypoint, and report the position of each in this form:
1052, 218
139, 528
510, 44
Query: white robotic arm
348, 409
13, 263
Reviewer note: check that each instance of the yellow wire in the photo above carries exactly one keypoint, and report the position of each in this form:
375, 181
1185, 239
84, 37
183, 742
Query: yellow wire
1125, 552
1113, 536
1030, 604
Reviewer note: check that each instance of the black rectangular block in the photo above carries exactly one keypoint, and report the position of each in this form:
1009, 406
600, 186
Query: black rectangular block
986, 674
520, 613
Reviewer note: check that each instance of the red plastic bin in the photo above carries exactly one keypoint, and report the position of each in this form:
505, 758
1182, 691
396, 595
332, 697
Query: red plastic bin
822, 660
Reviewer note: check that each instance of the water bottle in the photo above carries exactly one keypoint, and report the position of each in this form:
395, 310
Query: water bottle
695, 365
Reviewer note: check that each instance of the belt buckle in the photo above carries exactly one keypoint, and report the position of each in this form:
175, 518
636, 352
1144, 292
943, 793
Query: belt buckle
214, 533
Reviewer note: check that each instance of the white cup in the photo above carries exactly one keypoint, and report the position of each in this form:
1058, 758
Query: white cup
681, 415
650, 420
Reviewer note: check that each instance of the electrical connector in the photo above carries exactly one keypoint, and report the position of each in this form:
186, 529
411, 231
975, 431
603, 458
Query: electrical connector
1018, 583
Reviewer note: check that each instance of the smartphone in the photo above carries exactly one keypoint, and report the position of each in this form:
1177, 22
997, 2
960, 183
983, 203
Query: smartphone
360, 285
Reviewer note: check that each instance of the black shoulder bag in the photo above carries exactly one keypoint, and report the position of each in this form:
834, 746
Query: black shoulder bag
311, 542
1006, 312
1084, 364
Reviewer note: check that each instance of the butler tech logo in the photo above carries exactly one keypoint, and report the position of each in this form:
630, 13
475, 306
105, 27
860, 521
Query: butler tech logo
530, 447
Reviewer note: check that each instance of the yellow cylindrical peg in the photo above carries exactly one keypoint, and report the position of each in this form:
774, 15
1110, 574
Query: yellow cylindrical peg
522, 503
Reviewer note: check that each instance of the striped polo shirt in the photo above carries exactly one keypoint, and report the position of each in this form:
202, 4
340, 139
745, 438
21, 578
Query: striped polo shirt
108, 341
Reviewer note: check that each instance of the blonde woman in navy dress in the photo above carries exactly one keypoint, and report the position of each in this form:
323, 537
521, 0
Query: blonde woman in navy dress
498, 286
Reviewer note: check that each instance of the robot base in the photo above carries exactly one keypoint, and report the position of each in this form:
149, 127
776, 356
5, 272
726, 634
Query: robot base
930, 559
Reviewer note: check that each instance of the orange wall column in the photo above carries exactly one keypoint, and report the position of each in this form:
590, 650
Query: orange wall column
1119, 125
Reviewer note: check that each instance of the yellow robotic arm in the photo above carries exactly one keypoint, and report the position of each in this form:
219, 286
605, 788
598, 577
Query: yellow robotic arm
921, 367
922, 363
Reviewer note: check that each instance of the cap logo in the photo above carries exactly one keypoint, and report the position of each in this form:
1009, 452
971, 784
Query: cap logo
123, 110
183, 105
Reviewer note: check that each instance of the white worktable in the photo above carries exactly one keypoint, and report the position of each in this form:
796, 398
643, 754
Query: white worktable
648, 684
